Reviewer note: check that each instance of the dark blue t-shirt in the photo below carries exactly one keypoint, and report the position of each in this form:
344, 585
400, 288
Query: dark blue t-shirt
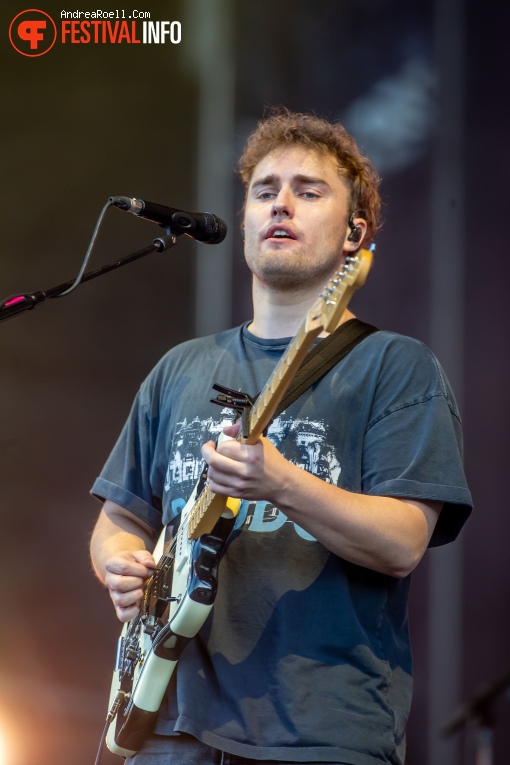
305, 656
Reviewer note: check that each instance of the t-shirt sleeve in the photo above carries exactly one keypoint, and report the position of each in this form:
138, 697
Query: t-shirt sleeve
128, 475
413, 446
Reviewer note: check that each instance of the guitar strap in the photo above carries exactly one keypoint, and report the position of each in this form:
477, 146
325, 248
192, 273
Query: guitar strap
324, 356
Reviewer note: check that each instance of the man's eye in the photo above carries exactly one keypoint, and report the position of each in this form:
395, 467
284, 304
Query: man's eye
265, 195
310, 195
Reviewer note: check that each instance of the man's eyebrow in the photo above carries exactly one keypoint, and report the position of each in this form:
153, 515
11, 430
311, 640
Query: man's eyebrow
300, 178
266, 181
310, 179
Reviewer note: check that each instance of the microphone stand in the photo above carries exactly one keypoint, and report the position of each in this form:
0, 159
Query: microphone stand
21, 303
480, 711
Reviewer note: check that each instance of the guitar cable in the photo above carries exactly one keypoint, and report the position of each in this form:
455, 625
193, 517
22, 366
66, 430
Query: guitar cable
101, 744
110, 717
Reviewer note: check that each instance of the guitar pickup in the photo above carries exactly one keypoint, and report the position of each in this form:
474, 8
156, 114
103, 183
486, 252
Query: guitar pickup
237, 400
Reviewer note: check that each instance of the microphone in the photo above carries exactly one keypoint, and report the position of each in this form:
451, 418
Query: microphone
204, 227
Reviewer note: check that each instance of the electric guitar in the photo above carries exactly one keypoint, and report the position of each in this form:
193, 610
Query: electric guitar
180, 593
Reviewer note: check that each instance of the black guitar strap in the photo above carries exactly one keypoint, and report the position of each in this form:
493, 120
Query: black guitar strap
324, 356
319, 360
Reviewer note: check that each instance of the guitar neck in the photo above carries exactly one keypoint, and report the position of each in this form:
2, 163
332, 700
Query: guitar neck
275, 388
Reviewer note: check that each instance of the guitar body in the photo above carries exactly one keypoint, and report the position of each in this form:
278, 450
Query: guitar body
181, 597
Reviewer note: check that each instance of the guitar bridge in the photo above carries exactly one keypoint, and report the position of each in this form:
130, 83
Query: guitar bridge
237, 400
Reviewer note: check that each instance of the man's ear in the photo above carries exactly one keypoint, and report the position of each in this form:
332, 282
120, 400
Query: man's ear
356, 233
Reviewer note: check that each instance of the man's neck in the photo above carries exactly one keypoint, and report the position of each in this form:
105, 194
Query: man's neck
280, 314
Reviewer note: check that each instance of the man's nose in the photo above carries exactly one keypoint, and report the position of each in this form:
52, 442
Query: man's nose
283, 204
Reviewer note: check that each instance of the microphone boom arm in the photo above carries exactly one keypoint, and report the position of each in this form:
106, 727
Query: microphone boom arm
26, 302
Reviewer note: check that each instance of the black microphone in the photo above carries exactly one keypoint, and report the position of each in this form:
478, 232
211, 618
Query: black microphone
204, 227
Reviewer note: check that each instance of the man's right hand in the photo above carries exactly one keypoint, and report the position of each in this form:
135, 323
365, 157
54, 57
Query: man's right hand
119, 550
126, 573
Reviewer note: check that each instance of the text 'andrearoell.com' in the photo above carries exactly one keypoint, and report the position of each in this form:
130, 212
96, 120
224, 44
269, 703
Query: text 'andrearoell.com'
34, 32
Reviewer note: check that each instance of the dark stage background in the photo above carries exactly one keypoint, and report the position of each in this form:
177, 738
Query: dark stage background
423, 88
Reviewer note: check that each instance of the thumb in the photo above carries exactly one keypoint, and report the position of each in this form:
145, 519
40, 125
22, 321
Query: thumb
232, 430
144, 557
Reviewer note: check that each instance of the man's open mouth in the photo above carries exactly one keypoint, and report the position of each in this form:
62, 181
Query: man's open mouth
277, 232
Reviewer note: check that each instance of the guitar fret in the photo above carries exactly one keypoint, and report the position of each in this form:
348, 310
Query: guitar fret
199, 510
202, 503
207, 499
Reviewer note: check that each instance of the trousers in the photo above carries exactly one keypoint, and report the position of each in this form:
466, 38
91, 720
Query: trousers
187, 750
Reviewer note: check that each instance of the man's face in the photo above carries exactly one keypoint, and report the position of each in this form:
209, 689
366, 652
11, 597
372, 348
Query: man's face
296, 219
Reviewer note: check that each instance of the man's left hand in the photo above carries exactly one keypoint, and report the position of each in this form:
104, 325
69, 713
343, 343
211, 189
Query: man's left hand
246, 471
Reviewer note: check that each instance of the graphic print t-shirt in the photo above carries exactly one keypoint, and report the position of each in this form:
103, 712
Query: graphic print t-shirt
305, 656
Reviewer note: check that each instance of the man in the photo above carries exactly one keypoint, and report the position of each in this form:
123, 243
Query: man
306, 655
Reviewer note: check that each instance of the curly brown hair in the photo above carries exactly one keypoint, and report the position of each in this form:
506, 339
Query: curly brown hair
283, 128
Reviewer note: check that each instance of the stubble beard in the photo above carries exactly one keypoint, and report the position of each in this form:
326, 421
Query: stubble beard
293, 270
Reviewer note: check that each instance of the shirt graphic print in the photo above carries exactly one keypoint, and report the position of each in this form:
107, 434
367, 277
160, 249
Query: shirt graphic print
302, 441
